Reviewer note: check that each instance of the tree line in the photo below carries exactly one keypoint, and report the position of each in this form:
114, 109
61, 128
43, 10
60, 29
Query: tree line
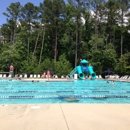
55, 35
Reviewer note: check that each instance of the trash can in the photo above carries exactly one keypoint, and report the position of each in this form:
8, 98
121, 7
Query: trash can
75, 76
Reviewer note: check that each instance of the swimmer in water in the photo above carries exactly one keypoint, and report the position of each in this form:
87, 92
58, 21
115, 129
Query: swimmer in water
112, 81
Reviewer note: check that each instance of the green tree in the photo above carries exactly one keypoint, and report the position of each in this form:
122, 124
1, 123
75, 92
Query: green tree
13, 15
14, 53
62, 66
28, 13
123, 65
53, 14
78, 9
124, 6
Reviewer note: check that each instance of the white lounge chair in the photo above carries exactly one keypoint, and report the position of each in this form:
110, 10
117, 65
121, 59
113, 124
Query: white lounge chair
56, 76
4, 76
125, 77
9, 76
35, 76
25, 75
38, 76
67, 77
62, 77
0, 75
20, 76
128, 78
31, 76
100, 77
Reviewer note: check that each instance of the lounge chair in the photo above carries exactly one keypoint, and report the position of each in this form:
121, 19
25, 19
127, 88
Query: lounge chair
9, 76
116, 76
35, 76
38, 76
128, 78
0, 75
53, 76
25, 76
4, 76
31, 76
123, 77
20, 76
100, 77
67, 77
62, 77
56, 76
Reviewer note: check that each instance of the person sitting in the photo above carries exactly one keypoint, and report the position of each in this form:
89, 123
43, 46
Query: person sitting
43, 75
17, 77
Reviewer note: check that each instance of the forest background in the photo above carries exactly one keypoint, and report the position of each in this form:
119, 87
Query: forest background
55, 35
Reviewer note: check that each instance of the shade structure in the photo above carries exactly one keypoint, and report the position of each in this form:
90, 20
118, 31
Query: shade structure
108, 71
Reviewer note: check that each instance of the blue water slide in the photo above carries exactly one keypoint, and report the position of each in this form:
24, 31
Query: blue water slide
73, 72
80, 73
91, 72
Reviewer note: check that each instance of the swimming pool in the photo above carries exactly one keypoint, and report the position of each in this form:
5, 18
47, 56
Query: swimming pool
76, 91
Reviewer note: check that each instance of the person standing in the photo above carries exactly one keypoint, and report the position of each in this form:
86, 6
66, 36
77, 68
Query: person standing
11, 68
48, 74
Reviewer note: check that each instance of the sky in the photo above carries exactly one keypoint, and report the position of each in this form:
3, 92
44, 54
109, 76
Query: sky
6, 3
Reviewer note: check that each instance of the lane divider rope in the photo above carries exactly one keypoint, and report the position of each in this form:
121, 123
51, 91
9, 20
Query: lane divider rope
64, 96
58, 91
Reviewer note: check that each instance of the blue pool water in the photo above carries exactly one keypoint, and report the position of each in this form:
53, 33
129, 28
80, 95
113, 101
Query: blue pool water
77, 91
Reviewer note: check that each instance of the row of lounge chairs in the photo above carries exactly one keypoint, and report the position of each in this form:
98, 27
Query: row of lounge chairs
8, 76
30, 76
117, 77
3, 75
126, 77
114, 77
38, 76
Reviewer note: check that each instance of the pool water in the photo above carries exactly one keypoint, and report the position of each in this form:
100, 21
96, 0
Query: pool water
77, 91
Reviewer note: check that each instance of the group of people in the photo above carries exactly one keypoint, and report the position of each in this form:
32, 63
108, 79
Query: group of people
46, 75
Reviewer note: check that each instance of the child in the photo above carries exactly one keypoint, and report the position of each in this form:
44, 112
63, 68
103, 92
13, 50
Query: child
48, 74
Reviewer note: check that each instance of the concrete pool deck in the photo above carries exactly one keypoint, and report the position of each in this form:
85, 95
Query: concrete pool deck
65, 117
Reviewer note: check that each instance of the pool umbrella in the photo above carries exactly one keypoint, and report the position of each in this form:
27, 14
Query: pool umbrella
50, 70
9, 63
108, 71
